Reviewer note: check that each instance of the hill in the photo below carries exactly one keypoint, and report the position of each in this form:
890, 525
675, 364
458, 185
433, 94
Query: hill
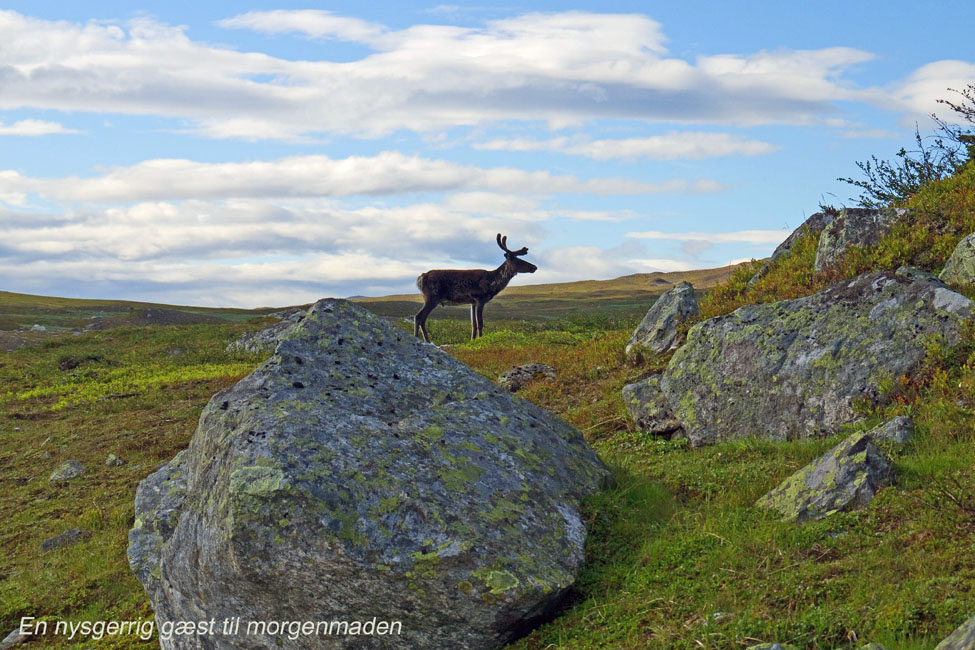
628, 295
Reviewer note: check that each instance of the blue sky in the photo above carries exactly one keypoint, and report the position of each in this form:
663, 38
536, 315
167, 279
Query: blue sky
231, 154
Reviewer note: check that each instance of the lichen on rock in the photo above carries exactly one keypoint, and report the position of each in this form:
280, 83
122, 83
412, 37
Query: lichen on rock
795, 368
959, 270
649, 409
359, 472
658, 331
844, 478
862, 227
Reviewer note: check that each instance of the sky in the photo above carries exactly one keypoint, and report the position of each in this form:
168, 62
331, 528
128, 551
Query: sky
231, 154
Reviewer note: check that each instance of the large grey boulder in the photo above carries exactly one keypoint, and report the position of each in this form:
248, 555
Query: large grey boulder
793, 369
846, 477
814, 224
649, 408
657, 332
959, 270
862, 227
362, 473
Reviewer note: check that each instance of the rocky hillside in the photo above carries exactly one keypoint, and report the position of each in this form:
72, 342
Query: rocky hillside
831, 506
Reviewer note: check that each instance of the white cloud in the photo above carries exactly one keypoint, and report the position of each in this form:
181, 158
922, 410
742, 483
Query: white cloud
251, 252
671, 146
564, 68
919, 93
320, 176
310, 22
33, 128
740, 236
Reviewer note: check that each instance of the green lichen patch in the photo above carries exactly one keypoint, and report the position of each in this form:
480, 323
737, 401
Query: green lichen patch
497, 581
256, 481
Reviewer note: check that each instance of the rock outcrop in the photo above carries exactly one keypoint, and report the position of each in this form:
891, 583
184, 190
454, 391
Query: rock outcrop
854, 227
649, 408
844, 478
793, 369
657, 332
959, 270
361, 473
515, 379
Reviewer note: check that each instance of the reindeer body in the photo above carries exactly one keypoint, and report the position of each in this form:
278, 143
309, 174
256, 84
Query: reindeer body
475, 287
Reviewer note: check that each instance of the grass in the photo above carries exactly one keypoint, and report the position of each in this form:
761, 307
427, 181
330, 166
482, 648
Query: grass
137, 393
678, 556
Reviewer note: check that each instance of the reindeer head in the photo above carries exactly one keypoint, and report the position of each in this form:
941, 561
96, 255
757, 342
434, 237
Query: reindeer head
520, 265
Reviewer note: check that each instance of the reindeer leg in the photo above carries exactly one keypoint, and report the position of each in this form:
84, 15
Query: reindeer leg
480, 319
473, 321
420, 321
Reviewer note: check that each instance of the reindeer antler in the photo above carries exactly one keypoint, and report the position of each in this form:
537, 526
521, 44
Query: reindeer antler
503, 243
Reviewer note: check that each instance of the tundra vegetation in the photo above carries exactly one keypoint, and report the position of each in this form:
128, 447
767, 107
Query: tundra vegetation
678, 556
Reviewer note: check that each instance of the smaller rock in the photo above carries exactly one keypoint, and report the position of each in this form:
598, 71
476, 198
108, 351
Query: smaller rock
962, 638
959, 270
861, 227
844, 478
773, 646
38, 328
114, 461
657, 332
899, 430
649, 408
14, 638
516, 378
67, 538
872, 646
67, 471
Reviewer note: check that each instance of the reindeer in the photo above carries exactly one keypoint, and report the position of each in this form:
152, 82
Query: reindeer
474, 286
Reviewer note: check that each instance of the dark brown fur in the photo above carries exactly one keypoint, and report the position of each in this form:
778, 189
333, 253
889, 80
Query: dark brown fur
474, 286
